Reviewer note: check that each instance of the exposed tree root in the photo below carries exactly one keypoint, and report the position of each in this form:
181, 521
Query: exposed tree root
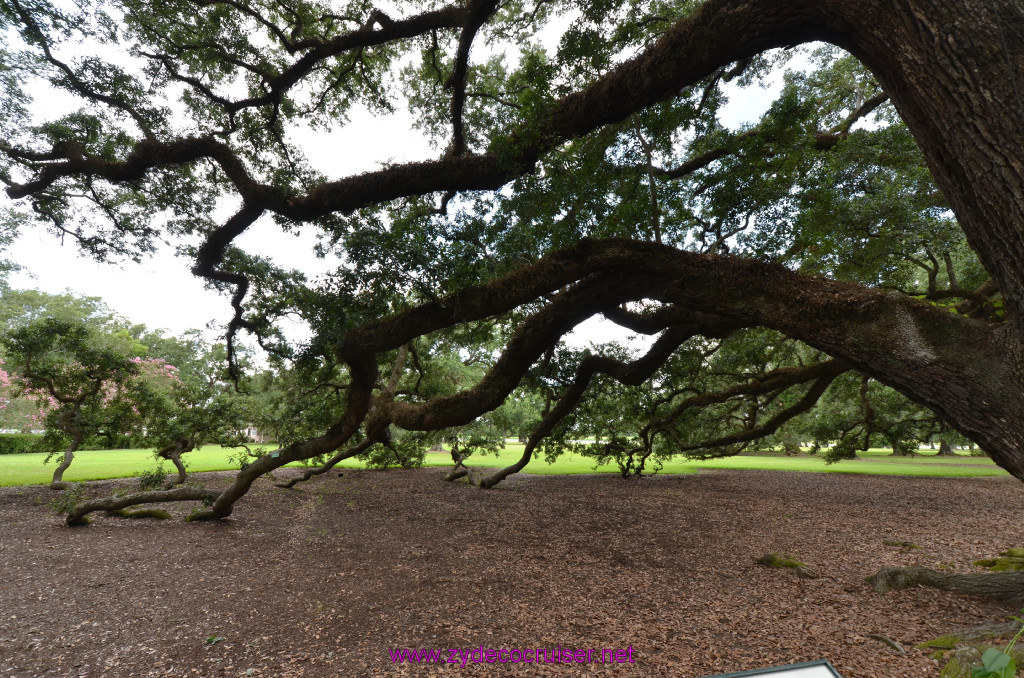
962, 650
973, 634
997, 585
77, 516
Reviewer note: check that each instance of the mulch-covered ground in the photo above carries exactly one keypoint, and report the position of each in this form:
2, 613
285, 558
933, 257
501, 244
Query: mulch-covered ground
323, 580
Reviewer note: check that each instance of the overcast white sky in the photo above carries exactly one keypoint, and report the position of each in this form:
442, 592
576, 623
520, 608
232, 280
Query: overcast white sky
162, 293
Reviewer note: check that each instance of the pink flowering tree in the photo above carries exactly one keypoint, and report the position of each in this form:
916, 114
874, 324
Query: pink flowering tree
21, 409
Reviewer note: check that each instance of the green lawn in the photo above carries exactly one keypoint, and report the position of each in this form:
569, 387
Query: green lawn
28, 469
875, 462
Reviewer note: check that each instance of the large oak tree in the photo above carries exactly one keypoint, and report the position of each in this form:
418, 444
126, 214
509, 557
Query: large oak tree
565, 185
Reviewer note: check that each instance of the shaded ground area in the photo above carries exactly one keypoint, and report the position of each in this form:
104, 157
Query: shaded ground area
323, 580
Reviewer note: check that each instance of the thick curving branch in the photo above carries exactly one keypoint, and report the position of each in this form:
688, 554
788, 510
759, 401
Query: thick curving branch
533, 338
173, 454
694, 48
363, 371
378, 429
960, 145
942, 360
78, 515
809, 400
910, 345
478, 13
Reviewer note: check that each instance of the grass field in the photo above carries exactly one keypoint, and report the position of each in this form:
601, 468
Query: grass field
28, 469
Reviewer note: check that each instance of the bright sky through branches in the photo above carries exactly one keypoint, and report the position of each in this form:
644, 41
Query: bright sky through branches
162, 293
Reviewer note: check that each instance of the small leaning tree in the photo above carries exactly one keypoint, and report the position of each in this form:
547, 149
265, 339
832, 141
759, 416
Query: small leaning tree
84, 388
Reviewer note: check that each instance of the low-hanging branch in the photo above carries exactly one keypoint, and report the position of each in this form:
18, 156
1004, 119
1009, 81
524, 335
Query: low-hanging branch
338, 457
378, 434
826, 314
531, 340
808, 401
635, 372
775, 381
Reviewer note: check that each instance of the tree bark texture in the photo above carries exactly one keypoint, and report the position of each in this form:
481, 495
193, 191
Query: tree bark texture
57, 483
77, 516
1007, 586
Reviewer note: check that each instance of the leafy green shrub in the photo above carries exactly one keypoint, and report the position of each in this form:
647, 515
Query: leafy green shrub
152, 480
69, 499
19, 443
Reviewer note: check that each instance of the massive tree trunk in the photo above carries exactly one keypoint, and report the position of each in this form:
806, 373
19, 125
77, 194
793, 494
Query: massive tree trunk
955, 72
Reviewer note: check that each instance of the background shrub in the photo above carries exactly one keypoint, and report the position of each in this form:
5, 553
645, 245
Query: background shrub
17, 443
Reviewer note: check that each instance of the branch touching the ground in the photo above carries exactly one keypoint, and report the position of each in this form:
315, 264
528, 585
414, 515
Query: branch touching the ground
1007, 586
77, 516
363, 370
893, 337
379, 427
